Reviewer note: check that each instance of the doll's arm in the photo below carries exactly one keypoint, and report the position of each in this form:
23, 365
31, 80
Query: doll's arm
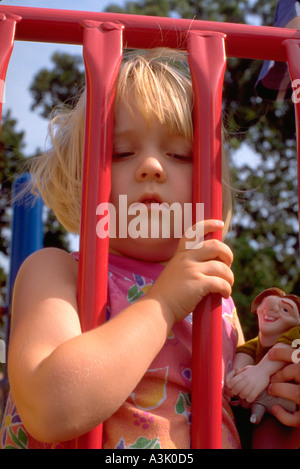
249, 382
241, 360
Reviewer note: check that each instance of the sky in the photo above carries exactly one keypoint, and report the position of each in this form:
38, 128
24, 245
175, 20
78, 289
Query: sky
27, 59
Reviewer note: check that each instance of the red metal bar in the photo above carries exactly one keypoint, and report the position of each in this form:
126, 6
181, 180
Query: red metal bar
7, 34
207, 75
247, 41
293, 57
102, 50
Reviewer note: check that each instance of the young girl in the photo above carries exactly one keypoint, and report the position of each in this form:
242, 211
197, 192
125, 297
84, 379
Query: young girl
134, 372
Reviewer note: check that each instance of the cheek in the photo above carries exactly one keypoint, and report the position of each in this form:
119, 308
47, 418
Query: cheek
184, 184
291, 320
118, 184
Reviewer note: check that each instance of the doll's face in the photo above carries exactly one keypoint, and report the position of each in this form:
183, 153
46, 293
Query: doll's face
275, 316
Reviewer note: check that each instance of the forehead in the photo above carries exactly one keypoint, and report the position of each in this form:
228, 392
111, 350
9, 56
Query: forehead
164, 100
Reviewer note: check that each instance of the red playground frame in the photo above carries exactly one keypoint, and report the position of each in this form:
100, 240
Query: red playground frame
208, 43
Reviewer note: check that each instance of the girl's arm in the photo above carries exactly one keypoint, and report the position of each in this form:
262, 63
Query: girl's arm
65, 382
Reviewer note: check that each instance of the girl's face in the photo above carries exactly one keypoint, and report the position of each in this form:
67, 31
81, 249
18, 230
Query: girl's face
149, 166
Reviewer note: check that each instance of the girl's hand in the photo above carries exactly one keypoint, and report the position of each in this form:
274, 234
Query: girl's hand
194, 273
285, 383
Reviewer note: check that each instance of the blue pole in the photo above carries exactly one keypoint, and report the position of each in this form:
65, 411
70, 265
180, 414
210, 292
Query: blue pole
27, 228
26, 238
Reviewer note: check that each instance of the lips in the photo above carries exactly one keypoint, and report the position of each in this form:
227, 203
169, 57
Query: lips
269, 318
150, 199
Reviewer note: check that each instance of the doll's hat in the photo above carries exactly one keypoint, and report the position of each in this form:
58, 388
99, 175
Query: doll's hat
274, 291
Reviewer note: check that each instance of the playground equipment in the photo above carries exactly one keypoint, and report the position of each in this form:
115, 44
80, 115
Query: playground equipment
102, 36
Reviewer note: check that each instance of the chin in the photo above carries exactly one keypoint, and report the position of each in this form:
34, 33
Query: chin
150, 250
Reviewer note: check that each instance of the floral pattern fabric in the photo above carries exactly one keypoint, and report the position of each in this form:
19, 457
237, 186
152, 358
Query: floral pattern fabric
157, 414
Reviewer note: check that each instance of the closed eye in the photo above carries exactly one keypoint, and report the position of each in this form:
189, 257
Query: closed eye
123, 154
179, 156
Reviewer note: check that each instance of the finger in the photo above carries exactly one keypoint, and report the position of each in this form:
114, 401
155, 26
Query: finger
286, 390
194, 236
216, 269
248, 393
214, 284
281, 354
288, 373
239, 387
288, 419
229, 377
213, 249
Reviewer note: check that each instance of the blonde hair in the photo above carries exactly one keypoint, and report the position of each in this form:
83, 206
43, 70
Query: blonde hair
158, 82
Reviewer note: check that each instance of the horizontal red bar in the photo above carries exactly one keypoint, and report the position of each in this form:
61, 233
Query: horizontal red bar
64, 26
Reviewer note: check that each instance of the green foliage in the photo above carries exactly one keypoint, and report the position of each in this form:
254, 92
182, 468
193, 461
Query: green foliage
11, 163
57, 86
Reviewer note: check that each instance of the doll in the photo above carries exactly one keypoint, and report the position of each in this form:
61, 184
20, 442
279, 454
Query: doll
279, 325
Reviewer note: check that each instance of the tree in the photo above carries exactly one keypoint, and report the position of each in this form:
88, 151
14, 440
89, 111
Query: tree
11, 163
60, 85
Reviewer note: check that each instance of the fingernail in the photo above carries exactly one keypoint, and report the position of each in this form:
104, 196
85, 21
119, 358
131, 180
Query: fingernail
220, 223
270, 387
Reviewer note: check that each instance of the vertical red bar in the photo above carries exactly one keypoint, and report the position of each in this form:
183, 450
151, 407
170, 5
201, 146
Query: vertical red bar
207, 63
102, 51
7, 35
293, 56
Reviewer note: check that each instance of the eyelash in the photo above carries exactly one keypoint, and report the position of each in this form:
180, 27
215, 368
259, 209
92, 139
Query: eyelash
122, 155
176, 156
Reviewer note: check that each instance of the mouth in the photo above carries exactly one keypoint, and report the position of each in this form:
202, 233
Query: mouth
148, 199
268, 318
153, 202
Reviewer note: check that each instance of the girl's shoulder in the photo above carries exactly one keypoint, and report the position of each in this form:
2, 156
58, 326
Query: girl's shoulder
48, 260
46, 272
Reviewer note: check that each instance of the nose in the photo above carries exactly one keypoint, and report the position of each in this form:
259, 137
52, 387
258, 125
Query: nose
150, 168
271, 304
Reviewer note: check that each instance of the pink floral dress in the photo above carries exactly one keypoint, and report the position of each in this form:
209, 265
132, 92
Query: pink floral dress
157, 414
